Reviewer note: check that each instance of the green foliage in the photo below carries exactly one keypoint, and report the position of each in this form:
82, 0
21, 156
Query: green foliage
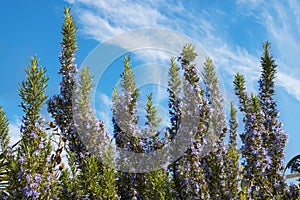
108, 187
31, 172
60, 106
157, 185
174, 89
243, 191
174, 79
233, 124
68, 43
32, 91
188, 54
274, 131
268, 73
89, 179
215, 97
94, 179
127, 78
187, 58
69, 181
151, 116
85, 86
264, 139
4, 141
232, 157
189, 177
128, 85
217, 131
125, 123
240, 91
232, 172
4, 137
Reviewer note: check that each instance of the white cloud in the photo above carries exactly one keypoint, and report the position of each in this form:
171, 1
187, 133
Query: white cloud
284, 31
14, 130
294, 5
282, 23
116, 16
101, 20
290, 83
97, 27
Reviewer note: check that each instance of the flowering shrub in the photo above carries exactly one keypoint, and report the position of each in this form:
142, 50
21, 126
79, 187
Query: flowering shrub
209, 168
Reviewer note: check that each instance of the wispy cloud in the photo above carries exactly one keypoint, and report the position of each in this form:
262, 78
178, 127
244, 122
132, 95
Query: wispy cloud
290, 83
97, 27
114, 17
210, 28
14, 130
283, 27
282, 21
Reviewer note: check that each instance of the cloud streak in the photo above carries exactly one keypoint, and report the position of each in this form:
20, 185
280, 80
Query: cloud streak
14, 130
282, 21
210, 28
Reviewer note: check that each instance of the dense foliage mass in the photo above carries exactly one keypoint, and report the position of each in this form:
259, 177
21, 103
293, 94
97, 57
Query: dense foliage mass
51, 162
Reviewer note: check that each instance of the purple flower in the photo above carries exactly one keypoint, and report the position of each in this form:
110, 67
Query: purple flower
254, 188
48, 158
9, 151
21, 160
19, 175
33, 134
35, 194
49, 176
38, 178
33, 185
36, 152
28, 178
27, 192
41, 145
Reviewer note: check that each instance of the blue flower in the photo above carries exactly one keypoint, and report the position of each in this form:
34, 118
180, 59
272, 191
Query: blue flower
19, 175
48, 158
41, 145
27, 192
35, 194
49, 176
21, 160
38, 178
36, 152
28, 178
33, 134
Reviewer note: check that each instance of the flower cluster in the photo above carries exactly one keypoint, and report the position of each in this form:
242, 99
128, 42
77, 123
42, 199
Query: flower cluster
191, 158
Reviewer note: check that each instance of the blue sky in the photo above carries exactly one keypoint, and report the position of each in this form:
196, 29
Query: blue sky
230, 32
